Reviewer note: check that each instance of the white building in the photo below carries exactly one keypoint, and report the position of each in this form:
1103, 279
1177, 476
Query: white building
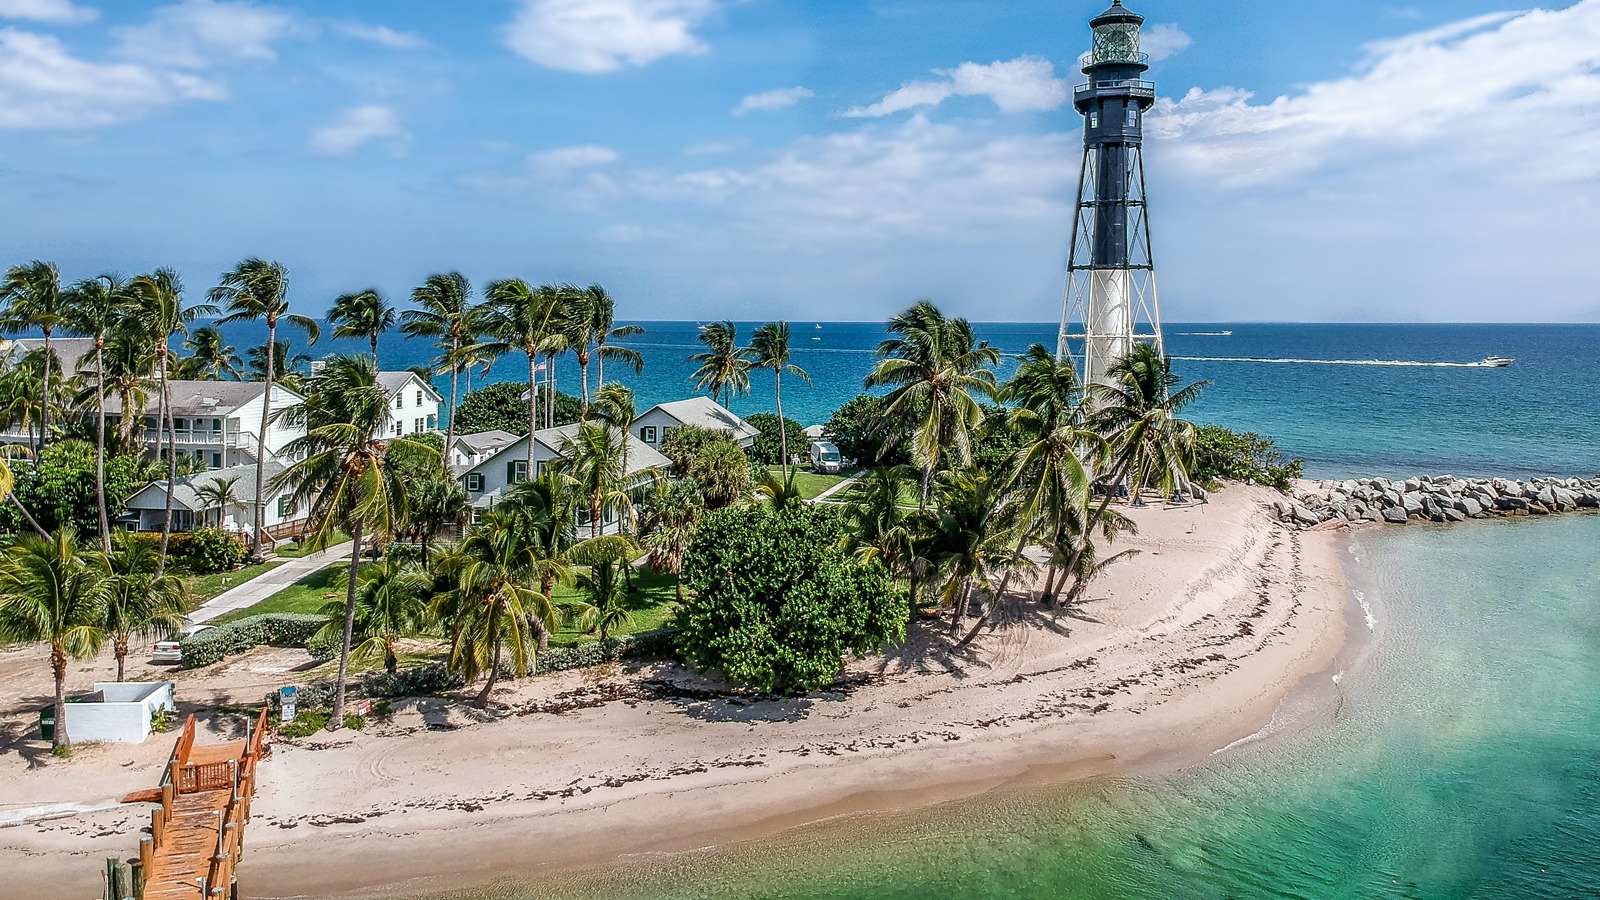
413, 403
470, 449
216, 421
651, 427
146, 509
487, 480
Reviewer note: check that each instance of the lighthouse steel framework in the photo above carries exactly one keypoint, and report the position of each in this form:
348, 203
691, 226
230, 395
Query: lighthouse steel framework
1111, 278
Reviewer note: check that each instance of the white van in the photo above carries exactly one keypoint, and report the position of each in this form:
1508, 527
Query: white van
825, 458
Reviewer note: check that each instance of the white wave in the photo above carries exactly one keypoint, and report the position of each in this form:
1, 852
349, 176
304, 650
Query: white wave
1340, 362
1338, 676
1366, 609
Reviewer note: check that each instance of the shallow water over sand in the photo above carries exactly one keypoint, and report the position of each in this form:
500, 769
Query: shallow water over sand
1461, 759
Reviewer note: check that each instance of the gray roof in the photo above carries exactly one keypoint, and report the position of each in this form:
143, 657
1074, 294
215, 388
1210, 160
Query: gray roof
641, 456
492, 439
185, 496
72, 352
394, 381
202, 398
707, 413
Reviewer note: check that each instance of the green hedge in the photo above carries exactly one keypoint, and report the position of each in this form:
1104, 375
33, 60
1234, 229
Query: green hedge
240, 635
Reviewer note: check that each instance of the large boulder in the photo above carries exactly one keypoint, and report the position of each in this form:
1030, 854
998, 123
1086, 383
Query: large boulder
1470, 507
1454, 515
1305, 516
1395, 515
1412, 504
1510, 503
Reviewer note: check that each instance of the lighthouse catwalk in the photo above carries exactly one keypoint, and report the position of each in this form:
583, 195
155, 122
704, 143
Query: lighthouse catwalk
1111, 283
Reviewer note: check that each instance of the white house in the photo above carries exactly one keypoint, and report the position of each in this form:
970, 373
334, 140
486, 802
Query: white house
147, 507
413, 403
471, 449
487, 480
651, 427
118, 711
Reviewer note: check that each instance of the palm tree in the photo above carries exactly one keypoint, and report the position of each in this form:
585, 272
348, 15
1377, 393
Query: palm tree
878, 527
770, 347
779, 491
1137, 411
218, 494
523, 317
156, 313
490, 605
210, 358
547, 508
592, 328
391, 602
32, 299
52, 590
667, 526
343, 478
363, 314
446, 314
436, 504
602, 318
936, 370
93, 307
20, 398
724, 366
287, 366
596, 456
967, 539
604, 584
140, 600
129, 362
258, 289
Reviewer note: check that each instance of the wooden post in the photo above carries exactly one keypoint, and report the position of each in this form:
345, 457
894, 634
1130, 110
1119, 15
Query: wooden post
124, 881
158, 825
147, 852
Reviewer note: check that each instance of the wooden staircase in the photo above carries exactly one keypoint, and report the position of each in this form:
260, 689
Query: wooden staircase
196, 837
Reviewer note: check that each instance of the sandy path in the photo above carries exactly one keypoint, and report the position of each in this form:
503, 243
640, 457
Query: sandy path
1177, 651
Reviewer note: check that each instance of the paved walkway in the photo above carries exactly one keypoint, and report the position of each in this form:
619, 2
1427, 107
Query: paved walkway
268, 583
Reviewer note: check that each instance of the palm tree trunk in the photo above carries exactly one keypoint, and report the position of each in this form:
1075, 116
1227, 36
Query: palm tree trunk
1088, 528
599, 364
539, 627
261, 455
455, 380
594, 515
783, 431
172, 464
120, 648
44, 395
336, 721
1005, 581
583, 362
391, 663
32, 522
533, 404
58, 667
1049, 582
375, 350
100, 445
482, 700
958, 608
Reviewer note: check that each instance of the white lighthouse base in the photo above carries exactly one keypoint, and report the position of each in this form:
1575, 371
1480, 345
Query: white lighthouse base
1108, 322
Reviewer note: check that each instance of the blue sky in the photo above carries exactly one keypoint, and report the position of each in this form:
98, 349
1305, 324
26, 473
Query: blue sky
1311, 161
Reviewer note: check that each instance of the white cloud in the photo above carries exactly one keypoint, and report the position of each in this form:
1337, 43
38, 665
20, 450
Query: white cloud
567, 159
43, 86
381, 34
1024, 84
781, 98
197, 34
56, 12
354, 128
1164, 41
597, 36
1465, 94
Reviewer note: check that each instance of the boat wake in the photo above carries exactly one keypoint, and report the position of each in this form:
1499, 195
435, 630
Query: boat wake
1480, 364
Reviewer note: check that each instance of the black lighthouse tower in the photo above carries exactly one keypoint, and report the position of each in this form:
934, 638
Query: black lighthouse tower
1111, 290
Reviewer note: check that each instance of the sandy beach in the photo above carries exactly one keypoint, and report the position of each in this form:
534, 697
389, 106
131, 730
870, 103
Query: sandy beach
1176, 652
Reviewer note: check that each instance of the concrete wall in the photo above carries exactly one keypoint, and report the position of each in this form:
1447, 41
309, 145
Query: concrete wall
123, 717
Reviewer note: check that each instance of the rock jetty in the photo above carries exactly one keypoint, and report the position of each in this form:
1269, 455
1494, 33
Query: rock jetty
1433, 498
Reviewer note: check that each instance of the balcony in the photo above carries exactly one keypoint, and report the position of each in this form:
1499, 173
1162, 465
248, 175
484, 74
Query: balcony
1119, 57
1134, 86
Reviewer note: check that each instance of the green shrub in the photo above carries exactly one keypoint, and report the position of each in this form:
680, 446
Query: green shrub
1247, 456
241, 635
306, 723
209, 550
857, 429
501, 406
767, 450
777, 603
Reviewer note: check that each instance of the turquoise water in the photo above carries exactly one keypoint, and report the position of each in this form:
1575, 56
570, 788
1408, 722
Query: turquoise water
1463, 762
1539, 416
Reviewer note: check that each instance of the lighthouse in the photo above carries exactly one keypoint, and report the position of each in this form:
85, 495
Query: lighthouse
1111, 283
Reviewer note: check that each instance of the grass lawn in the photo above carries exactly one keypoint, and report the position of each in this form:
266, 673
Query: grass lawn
204, 587
304, 596
295, 551
811, 485
909, 493
652, 604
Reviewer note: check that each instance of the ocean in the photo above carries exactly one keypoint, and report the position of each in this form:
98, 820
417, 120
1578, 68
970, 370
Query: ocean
1462, 758
1358, 414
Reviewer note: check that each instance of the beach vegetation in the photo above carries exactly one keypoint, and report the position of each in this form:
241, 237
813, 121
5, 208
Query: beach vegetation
446, 313
391, 603
1242, 456
769, 349
504, 407
140, 600
724, 366
768, 447
860, 432
362, 314
776, 603
670, 514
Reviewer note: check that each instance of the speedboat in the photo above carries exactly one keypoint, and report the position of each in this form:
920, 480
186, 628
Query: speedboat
1498, 362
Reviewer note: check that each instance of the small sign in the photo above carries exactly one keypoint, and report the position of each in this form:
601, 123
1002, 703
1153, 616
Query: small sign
286, 701
362, 708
